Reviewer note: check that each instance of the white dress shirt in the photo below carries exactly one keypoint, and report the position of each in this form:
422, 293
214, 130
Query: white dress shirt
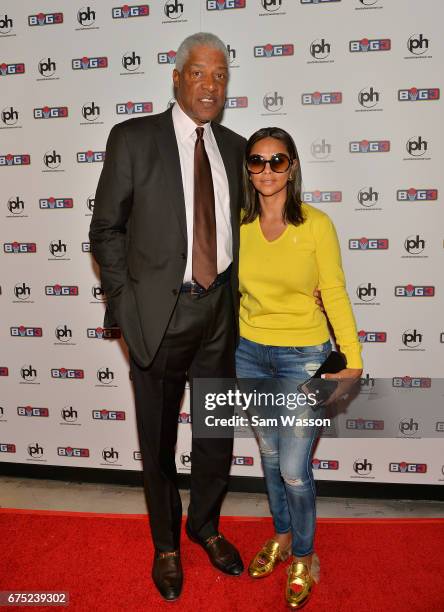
185, 130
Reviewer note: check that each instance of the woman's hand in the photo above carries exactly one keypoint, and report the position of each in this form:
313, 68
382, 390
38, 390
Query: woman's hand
318, 299
347, 379
345, 373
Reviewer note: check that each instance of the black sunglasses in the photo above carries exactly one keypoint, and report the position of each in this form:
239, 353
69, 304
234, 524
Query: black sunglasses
279, 162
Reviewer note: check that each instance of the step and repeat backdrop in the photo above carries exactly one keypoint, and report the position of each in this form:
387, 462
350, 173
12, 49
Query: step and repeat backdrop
358, 83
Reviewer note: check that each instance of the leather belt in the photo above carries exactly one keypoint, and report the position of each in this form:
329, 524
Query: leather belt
195, 289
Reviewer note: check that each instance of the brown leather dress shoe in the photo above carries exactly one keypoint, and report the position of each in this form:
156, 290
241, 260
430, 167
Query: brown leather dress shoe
222, 554
167, 574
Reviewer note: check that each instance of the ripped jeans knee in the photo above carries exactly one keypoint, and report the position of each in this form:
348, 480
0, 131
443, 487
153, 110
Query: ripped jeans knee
297, 483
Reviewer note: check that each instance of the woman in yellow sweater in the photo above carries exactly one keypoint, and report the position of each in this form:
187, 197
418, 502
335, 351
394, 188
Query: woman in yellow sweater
287, 250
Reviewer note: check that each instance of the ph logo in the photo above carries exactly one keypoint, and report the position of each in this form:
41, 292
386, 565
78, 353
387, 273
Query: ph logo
68, 414
22, 292
105, 376
16, 206
320, 49
57, 248
90, 201
271, 5
273, 102
110, 455
367, 381
366, 292
86, 17
9, 116
368, 97
408, 427
414, 245
52, 159
35, 450
28, 373
173, 9
90, 112
131, 61
411, 338
367, 197
63, 333
47, 67
6, 25
321, 149
98, 293
416, 146
231, 54
185, 459
417, 44
362, 467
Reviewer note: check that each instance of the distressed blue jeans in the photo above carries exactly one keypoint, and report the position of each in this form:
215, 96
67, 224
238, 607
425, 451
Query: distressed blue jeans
286, 452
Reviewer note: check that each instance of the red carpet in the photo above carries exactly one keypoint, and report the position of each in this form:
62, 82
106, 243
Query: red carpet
104, 561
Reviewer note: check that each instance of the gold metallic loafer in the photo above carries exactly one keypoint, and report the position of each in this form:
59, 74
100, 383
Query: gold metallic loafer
300, 582
267, 558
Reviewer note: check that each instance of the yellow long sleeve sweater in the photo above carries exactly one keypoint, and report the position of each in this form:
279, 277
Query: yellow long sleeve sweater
277, 280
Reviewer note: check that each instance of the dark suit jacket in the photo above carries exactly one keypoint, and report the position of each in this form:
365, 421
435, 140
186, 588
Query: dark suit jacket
138, 230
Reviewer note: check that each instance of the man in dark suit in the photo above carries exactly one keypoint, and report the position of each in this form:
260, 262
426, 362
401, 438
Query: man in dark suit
165, 233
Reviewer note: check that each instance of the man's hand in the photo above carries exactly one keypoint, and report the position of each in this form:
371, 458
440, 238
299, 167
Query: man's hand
318, 299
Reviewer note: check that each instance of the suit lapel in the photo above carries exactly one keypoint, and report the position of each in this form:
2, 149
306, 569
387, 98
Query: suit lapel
169, 153
229, 160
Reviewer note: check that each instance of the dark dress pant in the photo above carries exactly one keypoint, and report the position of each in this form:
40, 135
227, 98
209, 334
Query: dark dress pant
199, 343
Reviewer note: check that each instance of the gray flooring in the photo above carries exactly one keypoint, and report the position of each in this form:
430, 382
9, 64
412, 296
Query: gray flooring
30, 493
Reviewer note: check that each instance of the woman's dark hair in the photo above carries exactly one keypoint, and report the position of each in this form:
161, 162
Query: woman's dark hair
292, 212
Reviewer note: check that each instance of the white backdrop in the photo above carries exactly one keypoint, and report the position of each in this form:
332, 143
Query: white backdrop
357, 83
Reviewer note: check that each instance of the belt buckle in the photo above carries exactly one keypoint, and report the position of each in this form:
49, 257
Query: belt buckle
194, 288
